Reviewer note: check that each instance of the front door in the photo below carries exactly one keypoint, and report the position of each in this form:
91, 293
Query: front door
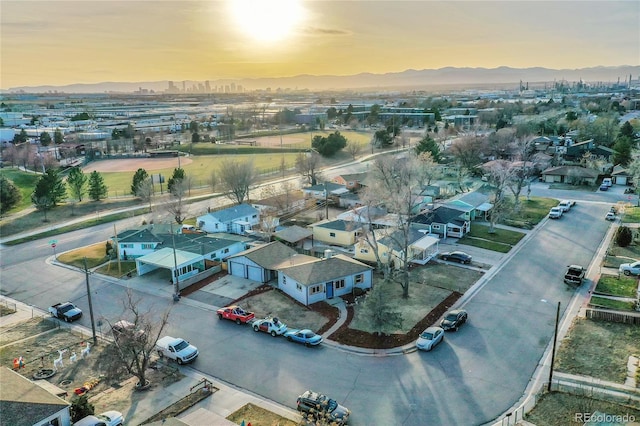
329, 291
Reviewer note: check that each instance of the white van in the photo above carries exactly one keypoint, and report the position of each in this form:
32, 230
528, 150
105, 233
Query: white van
607, 181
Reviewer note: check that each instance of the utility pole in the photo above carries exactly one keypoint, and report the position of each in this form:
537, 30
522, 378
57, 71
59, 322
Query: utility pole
175, 279
93, 326
115, 233
553, 353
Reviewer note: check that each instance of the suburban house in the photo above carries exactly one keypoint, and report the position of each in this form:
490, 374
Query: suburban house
135, 243
262, 262
24, 403
322, 279
422, 247
349, 200
352, 182
475, 205
235, 220
280, 204
577, 150
323, 191
193, 255
337, 232
444, 221
620, 176
574, 175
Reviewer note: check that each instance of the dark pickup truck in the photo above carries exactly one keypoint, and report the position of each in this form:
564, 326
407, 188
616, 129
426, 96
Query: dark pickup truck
574, 275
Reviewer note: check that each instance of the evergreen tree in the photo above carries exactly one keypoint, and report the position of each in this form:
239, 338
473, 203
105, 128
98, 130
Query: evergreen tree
97, 188
178, 176
138, 177
624, 236
51, 187
10, 195
58, 137
45, 139
427, 144
77, 182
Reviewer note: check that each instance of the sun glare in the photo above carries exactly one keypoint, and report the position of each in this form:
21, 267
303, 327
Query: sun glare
267, 20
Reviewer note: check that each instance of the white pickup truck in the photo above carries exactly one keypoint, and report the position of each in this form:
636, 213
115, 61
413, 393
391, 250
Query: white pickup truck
177, 349
66, 311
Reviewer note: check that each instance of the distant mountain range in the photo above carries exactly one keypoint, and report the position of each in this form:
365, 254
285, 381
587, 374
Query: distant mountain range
497, 78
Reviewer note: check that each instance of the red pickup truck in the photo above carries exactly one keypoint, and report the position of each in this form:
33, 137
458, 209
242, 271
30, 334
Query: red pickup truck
235, 313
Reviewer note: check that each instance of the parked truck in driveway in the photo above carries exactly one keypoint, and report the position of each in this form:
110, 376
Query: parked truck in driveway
574, 275
66, 311
177, 349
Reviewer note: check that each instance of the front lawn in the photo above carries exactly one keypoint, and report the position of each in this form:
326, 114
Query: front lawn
614, 286
599, 349
631, 215
603, 302
95, 255
113, 270
499, 235
531, 212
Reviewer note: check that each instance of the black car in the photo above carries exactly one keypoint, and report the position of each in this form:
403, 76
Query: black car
454, 319
320, 407
456, 256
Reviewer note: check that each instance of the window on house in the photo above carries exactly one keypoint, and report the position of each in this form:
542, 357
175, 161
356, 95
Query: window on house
254, 216
436, 226
298, 287
147, 246
315, 289
284, 280
216, 226
332, 234
359, 278
126, 246
338, 284
364, 251
226, 250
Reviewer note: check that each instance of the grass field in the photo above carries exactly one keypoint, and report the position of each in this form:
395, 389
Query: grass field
95, 255
25, 182
611, 304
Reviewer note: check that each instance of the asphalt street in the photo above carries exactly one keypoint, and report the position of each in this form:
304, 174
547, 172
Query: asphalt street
476, 375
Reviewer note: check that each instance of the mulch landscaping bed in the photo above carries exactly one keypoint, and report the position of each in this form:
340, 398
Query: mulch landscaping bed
351, 337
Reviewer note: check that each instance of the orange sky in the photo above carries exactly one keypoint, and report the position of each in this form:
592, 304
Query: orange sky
57, 42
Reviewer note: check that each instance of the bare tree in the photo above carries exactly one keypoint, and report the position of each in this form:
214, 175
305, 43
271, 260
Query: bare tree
308, 165
135, 343
468, 152
499, 174
145, 191
236, 178
353, 149
395, 182
382, 316
429, 168
176, 205
523, 150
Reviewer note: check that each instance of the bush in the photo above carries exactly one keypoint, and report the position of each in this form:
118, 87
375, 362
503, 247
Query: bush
624, 236
81, 408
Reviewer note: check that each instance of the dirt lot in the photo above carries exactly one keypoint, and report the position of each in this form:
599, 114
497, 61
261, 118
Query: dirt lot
560, 409
599, 349
258, 416
38, 341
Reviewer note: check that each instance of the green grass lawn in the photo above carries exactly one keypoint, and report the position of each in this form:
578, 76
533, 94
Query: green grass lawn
623, 286
25, 182
531, 212
95, 255
113, 270
597, 301
631, 215
501, 240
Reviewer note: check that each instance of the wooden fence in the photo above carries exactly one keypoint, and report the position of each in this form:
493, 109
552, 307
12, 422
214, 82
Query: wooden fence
613, 316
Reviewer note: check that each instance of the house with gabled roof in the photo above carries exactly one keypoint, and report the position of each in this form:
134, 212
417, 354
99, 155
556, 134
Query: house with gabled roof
235, 220
295, 236
337, 232
134, 243
475, 204
324, 190
322, 279
24, 403
620, 175
351, 181
261, 263
575, 175
444, 221
422, 246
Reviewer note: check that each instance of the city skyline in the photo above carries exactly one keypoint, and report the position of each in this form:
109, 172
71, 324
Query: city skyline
60, 42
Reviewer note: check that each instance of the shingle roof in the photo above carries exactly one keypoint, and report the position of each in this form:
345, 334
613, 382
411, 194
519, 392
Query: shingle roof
439, 215
138, 236
195, 243
395, 240
576, 171
324, 270
267, 255
330, 186
235, 212
293, 234
339, 225
23, 403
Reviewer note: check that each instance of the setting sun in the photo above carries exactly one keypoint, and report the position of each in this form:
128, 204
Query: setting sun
267, 20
